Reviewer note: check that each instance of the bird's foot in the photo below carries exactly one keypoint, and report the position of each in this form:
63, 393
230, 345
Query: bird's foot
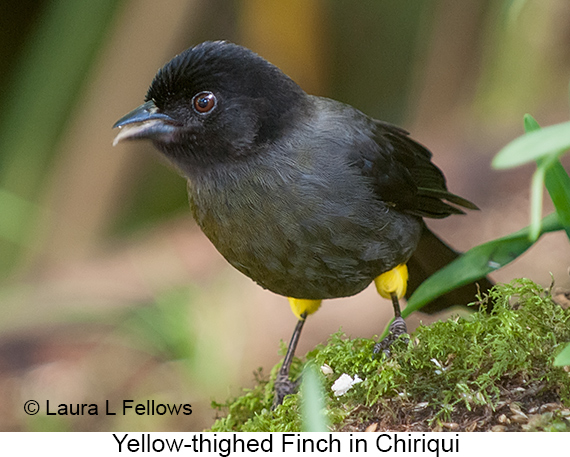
397, 328
283, 387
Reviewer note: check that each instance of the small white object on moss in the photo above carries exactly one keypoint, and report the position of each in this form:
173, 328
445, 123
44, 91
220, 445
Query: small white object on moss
344, 383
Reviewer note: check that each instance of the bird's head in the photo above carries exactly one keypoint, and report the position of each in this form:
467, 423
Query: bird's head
214, 102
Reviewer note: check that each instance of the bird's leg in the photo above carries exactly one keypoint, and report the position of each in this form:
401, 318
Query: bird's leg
283, 385
392, 284
301, 308
397, 328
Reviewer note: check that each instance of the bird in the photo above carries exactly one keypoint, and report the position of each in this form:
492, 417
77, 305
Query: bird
307, 196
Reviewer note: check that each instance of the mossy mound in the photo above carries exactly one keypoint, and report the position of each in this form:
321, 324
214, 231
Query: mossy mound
486, 371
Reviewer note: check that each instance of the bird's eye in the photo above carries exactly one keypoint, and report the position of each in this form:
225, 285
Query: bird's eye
204, 102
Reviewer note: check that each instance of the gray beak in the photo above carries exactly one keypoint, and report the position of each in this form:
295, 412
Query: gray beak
145, 122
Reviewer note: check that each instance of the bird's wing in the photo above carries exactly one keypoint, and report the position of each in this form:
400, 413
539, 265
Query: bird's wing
405, 177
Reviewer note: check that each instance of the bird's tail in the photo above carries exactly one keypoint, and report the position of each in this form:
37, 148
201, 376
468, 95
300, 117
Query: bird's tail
431, 255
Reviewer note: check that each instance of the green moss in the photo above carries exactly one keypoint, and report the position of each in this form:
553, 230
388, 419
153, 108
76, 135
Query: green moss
450, 374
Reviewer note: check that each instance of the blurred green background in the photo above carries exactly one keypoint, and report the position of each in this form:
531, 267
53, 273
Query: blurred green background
108, 291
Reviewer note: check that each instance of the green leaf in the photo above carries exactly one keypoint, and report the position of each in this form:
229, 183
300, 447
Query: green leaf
313, 404
534, 145
557, 183
551, 173
530, 124
563, 359
476, 263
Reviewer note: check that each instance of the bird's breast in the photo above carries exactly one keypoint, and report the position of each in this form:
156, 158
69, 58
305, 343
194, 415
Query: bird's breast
301, 232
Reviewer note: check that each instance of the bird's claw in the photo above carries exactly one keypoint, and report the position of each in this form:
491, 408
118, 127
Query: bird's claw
397, 328
283, 387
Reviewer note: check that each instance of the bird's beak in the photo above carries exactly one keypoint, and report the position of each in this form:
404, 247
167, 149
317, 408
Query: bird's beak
145, 122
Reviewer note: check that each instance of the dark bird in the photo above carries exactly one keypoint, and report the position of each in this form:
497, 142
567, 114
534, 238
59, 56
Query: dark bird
309, 197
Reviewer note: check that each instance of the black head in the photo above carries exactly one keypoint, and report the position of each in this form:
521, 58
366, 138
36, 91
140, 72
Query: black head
214, 102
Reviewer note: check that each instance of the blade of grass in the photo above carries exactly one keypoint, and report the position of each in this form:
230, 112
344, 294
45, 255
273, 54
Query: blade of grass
476, 263
536, 193
563, 359
536, 187
313, 404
